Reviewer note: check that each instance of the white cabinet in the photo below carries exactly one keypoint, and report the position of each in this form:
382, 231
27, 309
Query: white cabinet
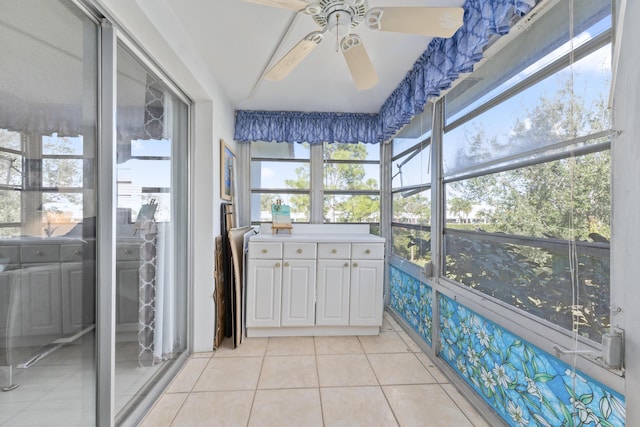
350, 289
127, 279
314, 285
77, 298
264, 285
365, 308
298, 284
127, 285
281, 284
41, 300
298, 292
333, 292
264, 289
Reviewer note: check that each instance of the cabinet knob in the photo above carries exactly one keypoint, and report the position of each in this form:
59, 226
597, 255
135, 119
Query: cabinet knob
264, 251
77, 252
299, 251
334, 251
38, 252
277, 264
346, 264
355, 264
286, 264
127, 251
368, 251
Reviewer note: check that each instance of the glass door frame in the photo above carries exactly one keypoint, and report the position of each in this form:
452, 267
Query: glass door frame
110, 37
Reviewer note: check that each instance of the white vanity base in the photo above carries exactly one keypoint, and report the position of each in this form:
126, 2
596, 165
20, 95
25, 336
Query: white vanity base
313, 331
320, 280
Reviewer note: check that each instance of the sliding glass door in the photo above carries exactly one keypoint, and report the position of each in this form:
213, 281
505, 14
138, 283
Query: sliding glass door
48, 128
151, 128
55, 301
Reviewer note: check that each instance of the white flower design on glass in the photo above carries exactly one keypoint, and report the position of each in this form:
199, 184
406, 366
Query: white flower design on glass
515, 412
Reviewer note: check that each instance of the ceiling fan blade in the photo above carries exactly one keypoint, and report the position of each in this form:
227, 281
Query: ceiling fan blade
294, 56
283, 4
425, 21
360, 66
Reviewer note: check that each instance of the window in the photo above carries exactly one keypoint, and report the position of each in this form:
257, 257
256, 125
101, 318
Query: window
11, 156
411, 196
411, 201
280, 171
527, 189
344, 177
351, 183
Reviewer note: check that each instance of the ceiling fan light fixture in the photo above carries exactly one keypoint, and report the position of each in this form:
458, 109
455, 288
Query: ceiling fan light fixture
339, 23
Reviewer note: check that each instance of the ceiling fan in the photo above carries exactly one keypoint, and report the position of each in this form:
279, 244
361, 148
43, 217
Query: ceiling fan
337, 18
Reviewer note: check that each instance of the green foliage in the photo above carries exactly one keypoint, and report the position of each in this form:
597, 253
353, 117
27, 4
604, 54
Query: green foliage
566, 199
340, 176
413, 245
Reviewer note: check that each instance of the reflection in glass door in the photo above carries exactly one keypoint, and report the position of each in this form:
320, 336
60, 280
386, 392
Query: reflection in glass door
48, 123
151, 123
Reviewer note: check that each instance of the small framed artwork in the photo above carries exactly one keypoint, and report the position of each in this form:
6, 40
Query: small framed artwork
227, 166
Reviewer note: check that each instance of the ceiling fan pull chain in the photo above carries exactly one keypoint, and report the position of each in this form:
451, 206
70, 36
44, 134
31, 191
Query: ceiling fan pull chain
337, 32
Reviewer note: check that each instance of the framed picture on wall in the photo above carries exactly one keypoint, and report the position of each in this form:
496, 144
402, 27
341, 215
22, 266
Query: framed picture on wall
227, 166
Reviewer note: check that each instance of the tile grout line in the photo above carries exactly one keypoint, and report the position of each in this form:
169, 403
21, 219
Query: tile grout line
366, 355
255, 389
164, 393
315, 352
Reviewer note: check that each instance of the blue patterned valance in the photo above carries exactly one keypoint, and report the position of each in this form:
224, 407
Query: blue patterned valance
314, 128
435, 70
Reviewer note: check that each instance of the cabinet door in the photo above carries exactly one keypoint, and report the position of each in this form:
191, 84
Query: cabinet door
366, 293
332, 307
6, 280
78, 296
264, 290
298, 292
41, 300
127, 289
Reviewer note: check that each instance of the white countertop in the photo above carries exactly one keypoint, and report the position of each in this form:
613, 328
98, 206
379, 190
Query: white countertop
318, 237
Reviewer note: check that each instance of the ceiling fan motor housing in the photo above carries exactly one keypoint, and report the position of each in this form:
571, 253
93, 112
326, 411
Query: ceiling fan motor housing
325, 13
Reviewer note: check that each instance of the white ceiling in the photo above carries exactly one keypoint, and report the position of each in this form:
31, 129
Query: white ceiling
239, 41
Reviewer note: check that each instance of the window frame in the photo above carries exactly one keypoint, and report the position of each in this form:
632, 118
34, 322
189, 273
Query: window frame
316, 190
549, 337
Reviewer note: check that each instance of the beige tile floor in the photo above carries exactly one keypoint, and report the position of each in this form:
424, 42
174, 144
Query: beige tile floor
380, 380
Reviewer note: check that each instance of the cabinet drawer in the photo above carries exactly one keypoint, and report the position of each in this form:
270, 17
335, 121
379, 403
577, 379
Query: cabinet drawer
300, 250
334, 250
367, 251
9, 255
129, 252
261, 250
71, 253
39, 253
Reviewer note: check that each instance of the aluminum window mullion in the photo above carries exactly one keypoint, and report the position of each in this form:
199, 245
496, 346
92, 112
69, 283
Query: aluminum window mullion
106, 228
540, 150
355, 162
316, 177
280, 190
532, 162
437, 219
278, 159
408, 226
420, 187
352, 192
414, 151
12, 151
